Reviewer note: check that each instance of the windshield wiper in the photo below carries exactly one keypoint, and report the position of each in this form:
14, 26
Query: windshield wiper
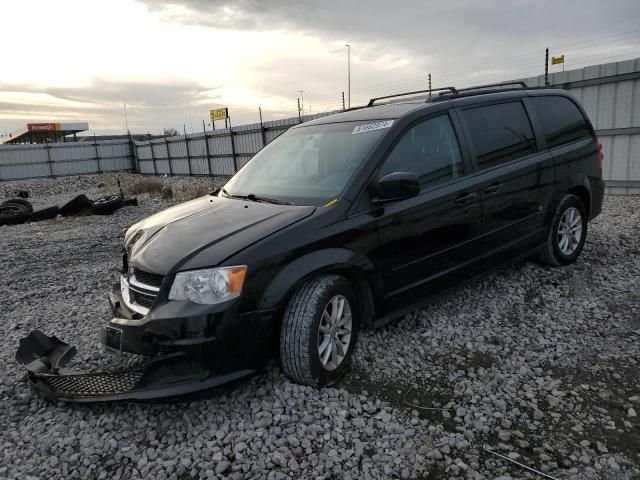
255, 198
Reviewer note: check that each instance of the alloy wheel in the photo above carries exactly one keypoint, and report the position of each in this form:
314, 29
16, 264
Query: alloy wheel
569, 231
334, 332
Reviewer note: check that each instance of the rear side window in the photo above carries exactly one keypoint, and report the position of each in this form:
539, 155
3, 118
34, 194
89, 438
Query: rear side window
500, 133
562, 122
430, 150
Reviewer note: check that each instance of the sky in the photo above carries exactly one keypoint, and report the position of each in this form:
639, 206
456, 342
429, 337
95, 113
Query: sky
171, 61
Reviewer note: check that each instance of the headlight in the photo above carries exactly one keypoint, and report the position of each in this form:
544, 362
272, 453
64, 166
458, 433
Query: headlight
208, 286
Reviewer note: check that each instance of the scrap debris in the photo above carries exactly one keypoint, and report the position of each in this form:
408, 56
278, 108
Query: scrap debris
493, 452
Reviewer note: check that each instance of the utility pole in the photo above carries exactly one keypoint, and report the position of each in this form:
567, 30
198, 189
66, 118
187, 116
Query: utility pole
348, 75
189, 116
546, 68
301, 99
343, 107
429, 85
126, 122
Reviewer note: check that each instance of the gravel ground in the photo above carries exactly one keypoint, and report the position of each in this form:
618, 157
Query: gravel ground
538, 364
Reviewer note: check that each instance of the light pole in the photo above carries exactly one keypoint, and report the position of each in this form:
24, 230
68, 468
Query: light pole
126, 122
348, 75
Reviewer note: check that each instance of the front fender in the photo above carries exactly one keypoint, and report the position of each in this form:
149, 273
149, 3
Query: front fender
309, 265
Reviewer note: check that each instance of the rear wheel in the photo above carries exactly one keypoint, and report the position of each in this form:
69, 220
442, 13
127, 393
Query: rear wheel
567, 233
319, 331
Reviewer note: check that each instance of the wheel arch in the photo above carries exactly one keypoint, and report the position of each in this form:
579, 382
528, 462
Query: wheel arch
584, 195
356, 268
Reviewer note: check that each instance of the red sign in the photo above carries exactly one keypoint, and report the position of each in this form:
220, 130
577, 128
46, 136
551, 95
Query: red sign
42, 127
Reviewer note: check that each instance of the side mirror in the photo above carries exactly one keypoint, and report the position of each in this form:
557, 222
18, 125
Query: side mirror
395, 186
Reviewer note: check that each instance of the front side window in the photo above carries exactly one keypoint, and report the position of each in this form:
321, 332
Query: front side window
561, 120
308, 165
430, 150
500, 133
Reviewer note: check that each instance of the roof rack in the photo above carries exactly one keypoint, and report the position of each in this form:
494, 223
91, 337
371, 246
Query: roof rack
488, 85
485, 89
449, 89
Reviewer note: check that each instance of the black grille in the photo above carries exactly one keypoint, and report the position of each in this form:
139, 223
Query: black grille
141, 298
147, 278
94, 384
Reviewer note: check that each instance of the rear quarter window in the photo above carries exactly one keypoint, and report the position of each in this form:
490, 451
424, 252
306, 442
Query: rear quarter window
562, 122
499, 133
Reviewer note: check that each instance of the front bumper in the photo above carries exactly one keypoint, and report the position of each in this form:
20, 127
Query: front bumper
163, 377
218, 334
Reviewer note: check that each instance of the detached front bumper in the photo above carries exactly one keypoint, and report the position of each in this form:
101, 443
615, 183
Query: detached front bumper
194, 348
219, 335
163, 377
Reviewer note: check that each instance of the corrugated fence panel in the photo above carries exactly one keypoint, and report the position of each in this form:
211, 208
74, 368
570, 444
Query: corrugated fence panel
146, 167
612, 103
72, 158
197, 146
222, 166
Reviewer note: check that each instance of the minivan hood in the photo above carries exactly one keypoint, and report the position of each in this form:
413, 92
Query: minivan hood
166, 241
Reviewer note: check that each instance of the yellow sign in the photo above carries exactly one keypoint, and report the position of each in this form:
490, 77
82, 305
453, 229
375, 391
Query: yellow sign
557, 60
219, 114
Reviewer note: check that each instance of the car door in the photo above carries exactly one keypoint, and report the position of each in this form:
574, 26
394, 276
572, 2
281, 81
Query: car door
429, 242
515, 178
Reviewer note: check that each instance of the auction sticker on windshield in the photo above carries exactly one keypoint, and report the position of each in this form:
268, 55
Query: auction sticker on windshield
372, 126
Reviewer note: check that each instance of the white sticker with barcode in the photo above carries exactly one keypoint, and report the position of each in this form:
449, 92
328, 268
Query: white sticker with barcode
372, 126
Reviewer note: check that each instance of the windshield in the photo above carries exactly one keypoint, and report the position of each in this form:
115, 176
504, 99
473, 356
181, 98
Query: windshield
307, 165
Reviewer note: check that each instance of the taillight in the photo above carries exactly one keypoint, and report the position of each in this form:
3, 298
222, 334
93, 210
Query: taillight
600, 155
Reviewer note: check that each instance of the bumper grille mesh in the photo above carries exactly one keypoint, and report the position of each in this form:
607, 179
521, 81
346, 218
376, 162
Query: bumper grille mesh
147, 278
95, 384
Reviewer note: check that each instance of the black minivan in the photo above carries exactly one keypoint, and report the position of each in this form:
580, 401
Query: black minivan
354, 219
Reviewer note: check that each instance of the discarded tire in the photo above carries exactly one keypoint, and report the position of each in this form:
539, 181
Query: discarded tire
107, 205
20, 201
45, 214
13, 214
79, 204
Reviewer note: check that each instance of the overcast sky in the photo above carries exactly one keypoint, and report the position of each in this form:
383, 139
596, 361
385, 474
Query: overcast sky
171, 61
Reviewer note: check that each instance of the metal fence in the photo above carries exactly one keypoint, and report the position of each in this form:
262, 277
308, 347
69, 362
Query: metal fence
217, 152
59, 159
609, 92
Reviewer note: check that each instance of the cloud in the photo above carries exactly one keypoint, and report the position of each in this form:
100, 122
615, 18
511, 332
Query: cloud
101, 101
249, 53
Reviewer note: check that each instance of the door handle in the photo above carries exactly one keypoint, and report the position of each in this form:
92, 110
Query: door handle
494, 188
465, 198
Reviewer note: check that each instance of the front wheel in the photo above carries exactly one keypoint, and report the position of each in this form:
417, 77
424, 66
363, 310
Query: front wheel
567, 233
319, 331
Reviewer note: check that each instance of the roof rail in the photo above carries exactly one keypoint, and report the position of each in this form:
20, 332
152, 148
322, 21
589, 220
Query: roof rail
503, 84
449, 89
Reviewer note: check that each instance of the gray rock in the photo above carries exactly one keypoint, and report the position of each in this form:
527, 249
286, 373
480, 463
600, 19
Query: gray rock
222, 467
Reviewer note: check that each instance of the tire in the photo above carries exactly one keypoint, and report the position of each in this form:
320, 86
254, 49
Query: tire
45, 214
560, 249
300, 336
13, 214
21, 201
76, 205
107, 205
